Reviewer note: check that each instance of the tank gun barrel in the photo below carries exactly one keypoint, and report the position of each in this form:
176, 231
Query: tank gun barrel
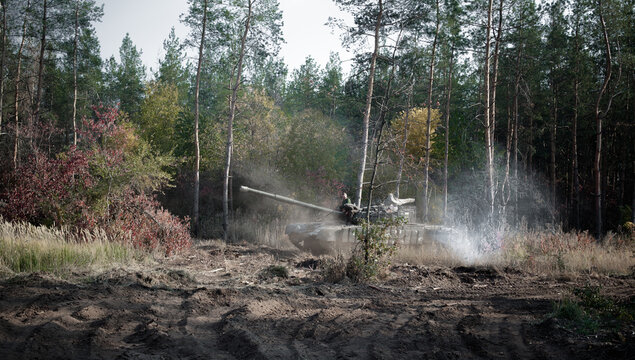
287, 200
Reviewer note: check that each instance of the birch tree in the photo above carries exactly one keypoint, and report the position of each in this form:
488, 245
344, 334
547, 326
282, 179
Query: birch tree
597, 169
489, 146
234, 85
17, 87
428, 121
3, 56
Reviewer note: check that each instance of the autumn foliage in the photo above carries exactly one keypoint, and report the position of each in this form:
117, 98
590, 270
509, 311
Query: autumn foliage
106, 181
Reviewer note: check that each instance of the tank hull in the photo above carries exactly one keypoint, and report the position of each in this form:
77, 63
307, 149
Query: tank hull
320, 238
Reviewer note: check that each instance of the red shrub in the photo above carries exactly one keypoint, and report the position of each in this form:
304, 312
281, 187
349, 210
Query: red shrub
50, 191
141, 221
93, 186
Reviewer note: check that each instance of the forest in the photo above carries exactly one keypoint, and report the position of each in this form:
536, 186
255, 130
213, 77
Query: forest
497, 112
126, 231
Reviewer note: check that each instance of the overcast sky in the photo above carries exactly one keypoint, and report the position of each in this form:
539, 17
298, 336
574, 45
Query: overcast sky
149, 22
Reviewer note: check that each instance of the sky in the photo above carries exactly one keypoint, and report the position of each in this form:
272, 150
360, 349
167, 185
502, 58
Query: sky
149, 22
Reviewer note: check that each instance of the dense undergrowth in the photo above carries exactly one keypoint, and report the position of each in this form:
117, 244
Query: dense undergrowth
106, 181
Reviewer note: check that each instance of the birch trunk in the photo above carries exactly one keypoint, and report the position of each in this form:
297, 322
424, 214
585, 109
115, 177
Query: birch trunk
17, 90
429, 120
447, 138
40, 69
552, 145
515, 130
2, 60
382, 122
75, 45
494, 82
506, 187
230, 121
402, 156
197, 150
488, 123
369, 100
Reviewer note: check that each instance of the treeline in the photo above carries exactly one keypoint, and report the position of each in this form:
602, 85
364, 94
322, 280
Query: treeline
485, 111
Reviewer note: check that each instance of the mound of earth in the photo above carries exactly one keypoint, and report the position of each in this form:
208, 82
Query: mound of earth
226, 303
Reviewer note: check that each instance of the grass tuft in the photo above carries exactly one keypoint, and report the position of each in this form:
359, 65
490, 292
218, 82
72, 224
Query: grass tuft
276, 271
334, 269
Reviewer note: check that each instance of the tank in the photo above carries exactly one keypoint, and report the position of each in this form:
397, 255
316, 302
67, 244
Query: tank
339, 232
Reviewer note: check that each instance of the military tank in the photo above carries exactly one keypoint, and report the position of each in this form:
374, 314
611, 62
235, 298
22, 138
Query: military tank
337, 231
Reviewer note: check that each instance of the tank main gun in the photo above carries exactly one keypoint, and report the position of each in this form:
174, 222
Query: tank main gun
288, 200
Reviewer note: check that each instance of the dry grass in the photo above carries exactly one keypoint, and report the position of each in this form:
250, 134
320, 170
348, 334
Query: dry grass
28, 248
437, 255
555, 251
269, 232
548, 252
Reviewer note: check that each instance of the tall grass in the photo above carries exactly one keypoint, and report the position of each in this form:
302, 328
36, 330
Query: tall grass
555, 251
28, 248
547, 251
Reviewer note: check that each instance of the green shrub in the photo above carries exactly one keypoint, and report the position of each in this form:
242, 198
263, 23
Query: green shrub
373, 250
590, 311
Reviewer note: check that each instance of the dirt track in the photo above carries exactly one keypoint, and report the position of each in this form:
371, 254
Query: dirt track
218, 303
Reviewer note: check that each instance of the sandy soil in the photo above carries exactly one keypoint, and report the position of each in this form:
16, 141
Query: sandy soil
220, 302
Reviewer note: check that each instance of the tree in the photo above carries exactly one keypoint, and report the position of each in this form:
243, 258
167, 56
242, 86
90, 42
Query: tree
87, 63
576, 64
404, 140
557, 44
364, 10
234, 85
448, 92
3, 56
413, 123
158, 116
379, 127
172, 68
451, 40
597, 169
489, 146
203, 27
17, 82
260, 23
302, 91
330, 87
75, 46
38, 96
429, 109
313, 149
130, 77
271, 76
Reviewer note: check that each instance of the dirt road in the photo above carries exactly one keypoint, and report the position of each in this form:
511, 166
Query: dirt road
220, 303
